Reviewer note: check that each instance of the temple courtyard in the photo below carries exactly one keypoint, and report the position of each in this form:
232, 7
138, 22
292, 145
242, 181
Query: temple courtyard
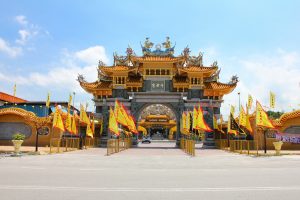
152, 171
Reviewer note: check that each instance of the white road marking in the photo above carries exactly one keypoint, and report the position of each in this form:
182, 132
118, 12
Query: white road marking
33, 168
120, 189
92, 169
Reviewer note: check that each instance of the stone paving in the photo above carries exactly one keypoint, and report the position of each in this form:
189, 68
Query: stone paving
155, 171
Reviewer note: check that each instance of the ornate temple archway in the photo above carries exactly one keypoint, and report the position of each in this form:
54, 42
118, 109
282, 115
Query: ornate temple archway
157, 119
159, 77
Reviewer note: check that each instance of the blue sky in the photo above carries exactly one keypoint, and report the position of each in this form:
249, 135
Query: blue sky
45, 44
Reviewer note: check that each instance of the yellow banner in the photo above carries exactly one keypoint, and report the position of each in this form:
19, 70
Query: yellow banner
262, 117
272, 100
250, 101
113, 124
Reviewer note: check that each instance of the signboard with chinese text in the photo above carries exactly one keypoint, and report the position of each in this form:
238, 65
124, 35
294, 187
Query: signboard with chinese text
158, 86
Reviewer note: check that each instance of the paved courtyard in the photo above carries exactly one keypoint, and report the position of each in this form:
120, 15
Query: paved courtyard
153, 171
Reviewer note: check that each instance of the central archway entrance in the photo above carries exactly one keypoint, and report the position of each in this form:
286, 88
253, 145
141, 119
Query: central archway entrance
158, 122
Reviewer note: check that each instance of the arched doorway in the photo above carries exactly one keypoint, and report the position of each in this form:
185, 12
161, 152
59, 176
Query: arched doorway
157, 119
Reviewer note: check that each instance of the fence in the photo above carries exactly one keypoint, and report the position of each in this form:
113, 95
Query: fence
90, 142
58, 145
239, 146
188, 146
222, 144
117, 145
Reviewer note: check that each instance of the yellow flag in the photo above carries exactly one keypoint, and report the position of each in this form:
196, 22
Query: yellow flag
231, 122
57, 120
127, 117
48, 100
131, 125
15, 89
113, 124
93, 126
101, 128
69, 103
221, 124
215, 123
195, 120
188, 121
201, 124
183, 118
83, 115
242, 117
89, 131
272, 100
69, 123
262, 117
229, 130
250, 101
74, 127
120, 116
248, 125
232, 110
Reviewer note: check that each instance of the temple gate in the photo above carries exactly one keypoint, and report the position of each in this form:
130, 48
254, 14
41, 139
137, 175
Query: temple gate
158, 77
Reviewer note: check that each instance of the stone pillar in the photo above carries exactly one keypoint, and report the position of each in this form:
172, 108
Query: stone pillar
105, 134
178, 113
209, 141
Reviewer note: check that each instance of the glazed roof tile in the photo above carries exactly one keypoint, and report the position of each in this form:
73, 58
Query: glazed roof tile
285, 117
218, 85
158, 59
11, 99
194, 68
95, 85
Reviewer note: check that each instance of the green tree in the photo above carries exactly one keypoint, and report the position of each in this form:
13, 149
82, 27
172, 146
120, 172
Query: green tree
274, 115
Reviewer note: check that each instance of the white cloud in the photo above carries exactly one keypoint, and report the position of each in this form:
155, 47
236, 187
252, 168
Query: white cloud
21, 19
24, 36
28, 30
9, 50
61, 79
92, 55
259, 75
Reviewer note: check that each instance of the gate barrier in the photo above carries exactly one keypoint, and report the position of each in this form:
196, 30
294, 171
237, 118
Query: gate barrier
117, 145
188, 146
58, 145
249, 147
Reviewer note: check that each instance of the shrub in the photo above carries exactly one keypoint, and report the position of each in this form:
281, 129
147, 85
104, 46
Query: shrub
18, 136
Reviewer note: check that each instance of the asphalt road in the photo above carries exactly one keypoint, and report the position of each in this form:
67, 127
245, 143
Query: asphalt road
155, 171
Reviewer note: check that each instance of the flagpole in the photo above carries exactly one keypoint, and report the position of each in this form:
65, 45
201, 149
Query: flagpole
265, 138
73, 117
239, 110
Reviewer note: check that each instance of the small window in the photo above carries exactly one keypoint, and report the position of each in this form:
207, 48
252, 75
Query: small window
163, 72
152, 72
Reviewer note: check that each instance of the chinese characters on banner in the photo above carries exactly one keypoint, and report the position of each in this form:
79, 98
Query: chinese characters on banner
157, 85
287, 138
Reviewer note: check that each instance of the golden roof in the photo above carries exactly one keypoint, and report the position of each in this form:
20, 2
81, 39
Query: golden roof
158, 117
114, 68
158, 59
219, 86
198, 69
95, 85
286, 116
27, 115
117, 69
